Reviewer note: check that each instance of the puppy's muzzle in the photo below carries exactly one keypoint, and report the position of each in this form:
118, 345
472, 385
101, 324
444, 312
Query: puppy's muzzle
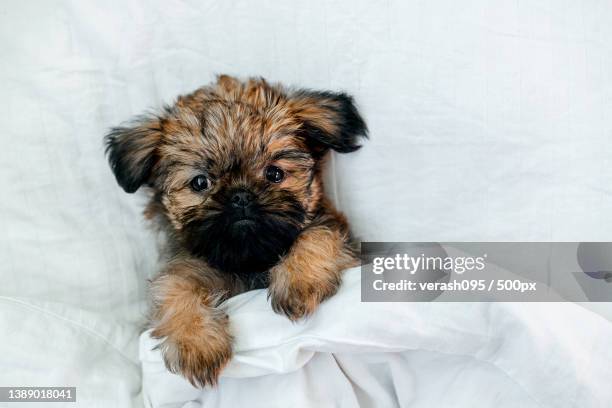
242, 204
242, 199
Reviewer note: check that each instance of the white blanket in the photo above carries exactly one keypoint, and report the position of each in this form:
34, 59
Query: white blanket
353, 354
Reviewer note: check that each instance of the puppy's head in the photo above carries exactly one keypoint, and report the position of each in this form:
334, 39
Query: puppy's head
235, 166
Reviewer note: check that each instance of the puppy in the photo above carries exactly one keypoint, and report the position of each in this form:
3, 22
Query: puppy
234, 171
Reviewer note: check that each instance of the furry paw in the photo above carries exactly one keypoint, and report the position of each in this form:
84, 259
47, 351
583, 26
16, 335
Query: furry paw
198, 350
300, 298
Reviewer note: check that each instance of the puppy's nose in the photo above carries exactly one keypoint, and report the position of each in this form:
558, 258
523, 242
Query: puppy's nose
241, 199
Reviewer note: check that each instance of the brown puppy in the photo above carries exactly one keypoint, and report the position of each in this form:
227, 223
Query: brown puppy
235, 174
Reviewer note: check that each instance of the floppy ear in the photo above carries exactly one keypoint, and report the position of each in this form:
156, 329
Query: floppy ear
131, 151
329, 120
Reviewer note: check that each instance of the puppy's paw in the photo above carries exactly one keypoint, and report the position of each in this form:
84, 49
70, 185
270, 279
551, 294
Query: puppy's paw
298, 298
198, 350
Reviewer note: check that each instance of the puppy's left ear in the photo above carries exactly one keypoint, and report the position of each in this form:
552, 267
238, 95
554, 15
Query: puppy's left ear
329, 120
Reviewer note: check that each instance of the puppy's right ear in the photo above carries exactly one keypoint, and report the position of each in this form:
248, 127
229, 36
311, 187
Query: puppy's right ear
131, 151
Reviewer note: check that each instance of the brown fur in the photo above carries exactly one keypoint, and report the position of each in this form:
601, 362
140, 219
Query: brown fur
311, 272
231, 132
196, 339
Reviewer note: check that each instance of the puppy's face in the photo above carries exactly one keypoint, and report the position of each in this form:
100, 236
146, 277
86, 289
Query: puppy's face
235, 167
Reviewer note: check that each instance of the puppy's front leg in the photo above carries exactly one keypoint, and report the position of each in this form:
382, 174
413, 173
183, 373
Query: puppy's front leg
196, 340
311, 271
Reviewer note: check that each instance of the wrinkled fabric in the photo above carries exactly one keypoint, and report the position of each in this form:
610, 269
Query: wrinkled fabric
354, 354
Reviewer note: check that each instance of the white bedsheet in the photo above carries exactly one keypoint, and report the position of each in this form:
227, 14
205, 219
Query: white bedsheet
353, 354
490, 120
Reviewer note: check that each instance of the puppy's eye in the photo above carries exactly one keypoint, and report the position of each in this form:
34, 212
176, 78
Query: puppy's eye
199, 183
274, 174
